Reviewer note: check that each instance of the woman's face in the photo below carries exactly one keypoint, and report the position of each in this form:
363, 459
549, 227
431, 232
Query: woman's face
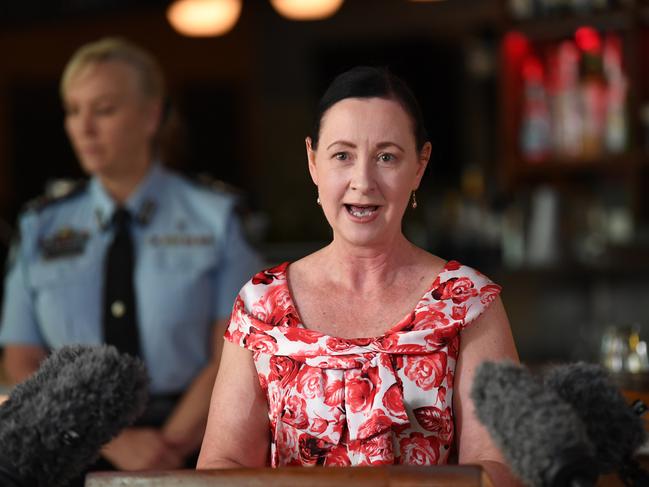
365, 167
109, 121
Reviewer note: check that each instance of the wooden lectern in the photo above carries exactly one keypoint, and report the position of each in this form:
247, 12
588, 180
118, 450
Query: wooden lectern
392, 476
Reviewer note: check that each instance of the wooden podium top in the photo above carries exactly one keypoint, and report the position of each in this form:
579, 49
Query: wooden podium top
389, 476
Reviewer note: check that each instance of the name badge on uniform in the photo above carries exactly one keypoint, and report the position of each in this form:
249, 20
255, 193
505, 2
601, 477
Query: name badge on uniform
181, 240
66, 242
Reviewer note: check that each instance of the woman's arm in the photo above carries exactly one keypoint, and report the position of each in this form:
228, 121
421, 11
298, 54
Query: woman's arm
185, 427
21, 361
488, 338
238, 432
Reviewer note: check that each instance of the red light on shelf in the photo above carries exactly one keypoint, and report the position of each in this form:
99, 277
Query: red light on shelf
588, 39
515, 45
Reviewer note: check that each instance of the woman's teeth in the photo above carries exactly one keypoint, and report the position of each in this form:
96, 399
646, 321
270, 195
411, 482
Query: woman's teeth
361, 211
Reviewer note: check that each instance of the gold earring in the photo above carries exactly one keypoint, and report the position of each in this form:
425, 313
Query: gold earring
414, 201
318, 201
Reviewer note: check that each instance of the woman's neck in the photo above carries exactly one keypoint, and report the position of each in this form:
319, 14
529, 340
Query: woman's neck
120, 186
358, 268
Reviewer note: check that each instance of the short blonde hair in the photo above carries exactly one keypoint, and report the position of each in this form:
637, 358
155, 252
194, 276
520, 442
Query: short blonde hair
107, 49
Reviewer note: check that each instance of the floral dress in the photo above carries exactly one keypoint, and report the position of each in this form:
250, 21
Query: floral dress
363, 401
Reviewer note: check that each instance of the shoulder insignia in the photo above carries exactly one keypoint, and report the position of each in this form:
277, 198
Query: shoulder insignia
210, 182
56, 191
252, 224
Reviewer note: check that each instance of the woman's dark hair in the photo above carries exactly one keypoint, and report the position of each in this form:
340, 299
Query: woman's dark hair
370, 82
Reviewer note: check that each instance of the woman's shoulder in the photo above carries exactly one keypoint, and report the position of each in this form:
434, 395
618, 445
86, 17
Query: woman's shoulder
464, 292
263, 286
199, 200
450, 277
264, 302
270, 276
453, 270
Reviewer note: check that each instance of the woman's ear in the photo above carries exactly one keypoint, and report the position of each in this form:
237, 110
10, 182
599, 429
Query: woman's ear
310, 154
422, 162
154, 114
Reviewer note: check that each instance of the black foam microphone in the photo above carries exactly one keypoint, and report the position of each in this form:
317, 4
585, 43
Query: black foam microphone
612, 425
53, 425
540, 435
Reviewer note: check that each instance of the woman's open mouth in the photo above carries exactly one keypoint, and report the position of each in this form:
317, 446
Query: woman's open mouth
361, 211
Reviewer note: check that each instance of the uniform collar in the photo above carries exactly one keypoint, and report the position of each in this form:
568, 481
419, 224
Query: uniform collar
141, 204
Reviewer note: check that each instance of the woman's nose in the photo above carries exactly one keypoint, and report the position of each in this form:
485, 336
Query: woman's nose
85, 123
363, 175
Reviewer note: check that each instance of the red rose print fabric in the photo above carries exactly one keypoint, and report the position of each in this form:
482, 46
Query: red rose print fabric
365, 401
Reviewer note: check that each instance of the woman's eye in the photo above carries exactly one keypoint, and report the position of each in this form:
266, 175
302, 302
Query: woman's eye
341, 156
386, 157
105, 110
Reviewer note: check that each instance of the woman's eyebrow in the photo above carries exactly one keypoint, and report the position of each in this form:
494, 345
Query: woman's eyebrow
342, 142
383, 145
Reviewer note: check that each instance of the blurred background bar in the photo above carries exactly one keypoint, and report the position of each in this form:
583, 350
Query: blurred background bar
538, 113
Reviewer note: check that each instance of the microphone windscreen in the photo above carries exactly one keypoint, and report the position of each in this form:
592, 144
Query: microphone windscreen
54, 423
615, 430
540, 435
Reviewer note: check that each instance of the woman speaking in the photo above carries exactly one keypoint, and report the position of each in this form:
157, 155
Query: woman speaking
363, 352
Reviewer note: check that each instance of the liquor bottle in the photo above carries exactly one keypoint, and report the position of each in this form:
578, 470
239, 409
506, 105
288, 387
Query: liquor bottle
593, 92
567, 124
535, 132
616, 119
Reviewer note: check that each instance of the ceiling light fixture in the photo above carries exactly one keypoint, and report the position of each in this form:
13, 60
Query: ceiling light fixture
203, 18
306, 9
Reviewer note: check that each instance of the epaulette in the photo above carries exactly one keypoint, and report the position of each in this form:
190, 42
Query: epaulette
56, 191
241, 203
208, 181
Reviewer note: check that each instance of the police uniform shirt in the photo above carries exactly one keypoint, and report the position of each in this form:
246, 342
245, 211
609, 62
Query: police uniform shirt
191, 260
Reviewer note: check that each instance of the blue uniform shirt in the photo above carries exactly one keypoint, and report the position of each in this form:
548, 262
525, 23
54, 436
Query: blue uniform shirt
191, 260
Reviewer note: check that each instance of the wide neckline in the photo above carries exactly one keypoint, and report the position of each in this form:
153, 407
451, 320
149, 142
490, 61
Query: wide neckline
394, 328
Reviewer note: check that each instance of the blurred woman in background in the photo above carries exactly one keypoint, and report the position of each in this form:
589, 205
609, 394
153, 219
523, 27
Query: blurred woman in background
137, 257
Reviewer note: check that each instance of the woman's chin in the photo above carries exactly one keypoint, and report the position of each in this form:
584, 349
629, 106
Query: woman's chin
103, 169
95, 166
365, 237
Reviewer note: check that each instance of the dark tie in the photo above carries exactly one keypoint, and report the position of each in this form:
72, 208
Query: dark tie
120, 312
